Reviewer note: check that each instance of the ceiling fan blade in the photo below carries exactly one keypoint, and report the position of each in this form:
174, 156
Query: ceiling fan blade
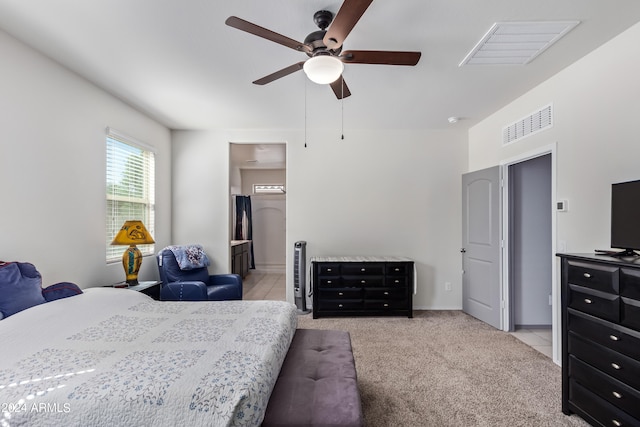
346, 18
279, 74
384, 57
340, 88
241, 24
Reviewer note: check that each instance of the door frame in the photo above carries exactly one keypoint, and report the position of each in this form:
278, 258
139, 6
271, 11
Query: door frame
231, 213
507, 317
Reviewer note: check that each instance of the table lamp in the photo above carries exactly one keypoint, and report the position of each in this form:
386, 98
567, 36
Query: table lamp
132, 233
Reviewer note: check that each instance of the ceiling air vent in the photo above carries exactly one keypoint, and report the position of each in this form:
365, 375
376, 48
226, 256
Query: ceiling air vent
516, 43
533, 123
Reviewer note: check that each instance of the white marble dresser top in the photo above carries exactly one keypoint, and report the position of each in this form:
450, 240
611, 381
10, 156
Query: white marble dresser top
360, 259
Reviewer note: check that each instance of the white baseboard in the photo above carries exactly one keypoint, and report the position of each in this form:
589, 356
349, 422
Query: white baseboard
270, 268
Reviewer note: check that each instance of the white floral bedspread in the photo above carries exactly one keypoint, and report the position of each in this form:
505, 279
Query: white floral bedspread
115, 357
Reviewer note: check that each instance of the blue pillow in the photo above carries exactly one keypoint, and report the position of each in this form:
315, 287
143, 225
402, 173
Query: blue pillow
19, 287
60, 290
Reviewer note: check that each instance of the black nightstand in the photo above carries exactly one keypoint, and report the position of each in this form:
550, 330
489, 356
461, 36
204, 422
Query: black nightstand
150, 287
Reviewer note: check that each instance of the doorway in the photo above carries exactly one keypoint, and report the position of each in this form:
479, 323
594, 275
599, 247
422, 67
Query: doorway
531, 298
530, 242
258, 170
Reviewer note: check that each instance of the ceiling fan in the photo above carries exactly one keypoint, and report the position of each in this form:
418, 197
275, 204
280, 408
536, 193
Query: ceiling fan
324, 47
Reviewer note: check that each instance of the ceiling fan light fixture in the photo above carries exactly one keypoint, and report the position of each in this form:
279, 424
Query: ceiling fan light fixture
323, 69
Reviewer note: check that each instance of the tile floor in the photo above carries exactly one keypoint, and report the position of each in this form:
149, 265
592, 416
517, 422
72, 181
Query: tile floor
263, 285
538, 338
271, 285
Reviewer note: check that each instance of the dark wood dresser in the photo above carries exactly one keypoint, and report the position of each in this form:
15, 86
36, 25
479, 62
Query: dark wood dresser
601, 339
362, 286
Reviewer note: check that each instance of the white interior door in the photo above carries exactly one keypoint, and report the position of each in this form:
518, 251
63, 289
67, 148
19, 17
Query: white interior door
481, 246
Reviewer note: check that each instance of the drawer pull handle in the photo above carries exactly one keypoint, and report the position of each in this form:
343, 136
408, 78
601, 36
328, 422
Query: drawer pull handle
339, 305
587, 275
329, 270
616, 366
363, 281
340, 294
386, 305
588, 301
397, 281
397, 269
616, 423
614, 338
617, 395
329, 281
386, 293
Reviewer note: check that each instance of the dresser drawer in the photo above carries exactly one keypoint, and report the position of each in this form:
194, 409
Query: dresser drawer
627, 343
364, 269
630, 283
601, 304
397, 269
598, 408
328, 269
340, 305
341, 293
329, 282
615, 364
382, 305
615, 392
600, 277
385, 293
363, 281
630, 313
397, 281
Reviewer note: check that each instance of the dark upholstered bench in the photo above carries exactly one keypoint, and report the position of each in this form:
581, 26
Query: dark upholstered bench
317, 385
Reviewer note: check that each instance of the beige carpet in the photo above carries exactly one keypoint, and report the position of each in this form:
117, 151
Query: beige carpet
445, 368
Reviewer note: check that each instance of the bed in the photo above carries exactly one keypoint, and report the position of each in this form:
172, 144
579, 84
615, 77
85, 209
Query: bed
116, 357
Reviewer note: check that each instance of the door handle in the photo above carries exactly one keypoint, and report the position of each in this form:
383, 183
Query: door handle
463, 250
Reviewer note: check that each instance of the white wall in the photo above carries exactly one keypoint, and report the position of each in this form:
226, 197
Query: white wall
52, 169
374, 193
596, 105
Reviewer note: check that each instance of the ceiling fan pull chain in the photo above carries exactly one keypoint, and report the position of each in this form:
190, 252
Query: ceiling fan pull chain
305, 113
342, 104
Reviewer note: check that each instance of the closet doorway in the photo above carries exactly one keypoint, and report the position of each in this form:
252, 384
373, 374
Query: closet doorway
530, 243
530, 288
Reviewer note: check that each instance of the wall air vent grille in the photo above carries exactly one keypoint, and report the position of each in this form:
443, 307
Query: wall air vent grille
533, 123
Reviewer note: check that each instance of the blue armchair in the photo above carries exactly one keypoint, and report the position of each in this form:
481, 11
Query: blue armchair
195, 284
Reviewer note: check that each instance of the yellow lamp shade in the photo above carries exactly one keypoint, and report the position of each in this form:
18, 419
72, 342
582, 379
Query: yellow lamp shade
132, 233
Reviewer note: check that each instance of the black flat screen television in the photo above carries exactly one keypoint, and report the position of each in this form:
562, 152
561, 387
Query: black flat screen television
625, 217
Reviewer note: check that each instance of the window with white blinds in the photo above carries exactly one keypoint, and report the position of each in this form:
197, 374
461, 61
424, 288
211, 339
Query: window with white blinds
130, 189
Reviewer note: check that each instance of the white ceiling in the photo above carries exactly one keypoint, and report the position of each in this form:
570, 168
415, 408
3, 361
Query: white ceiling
177, 61
258, 156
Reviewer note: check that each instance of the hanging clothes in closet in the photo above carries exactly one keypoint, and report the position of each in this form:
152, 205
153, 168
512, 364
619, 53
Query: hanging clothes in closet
243, 224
